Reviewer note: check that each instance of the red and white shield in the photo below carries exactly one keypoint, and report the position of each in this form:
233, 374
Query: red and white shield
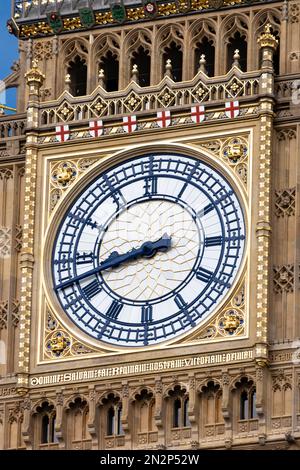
129, 123
62, 133
163, 118
232, 109
198, 113
96, 128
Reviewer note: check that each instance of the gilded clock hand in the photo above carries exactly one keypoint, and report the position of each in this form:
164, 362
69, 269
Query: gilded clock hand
146, 250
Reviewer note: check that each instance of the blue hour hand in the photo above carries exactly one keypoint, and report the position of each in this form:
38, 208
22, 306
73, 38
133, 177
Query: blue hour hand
147, 250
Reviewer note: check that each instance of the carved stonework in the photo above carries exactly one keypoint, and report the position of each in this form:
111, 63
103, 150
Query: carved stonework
233, 151
3, 314
285, 202
286, 134
15, 312
294, 13
5, 241
229, 322
59, 343
18, 238
64, 174
42, 50
283, 278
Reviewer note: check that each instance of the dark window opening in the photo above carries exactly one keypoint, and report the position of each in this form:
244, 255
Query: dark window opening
119, 422
240, 43
111, 421
45, 429
244, 406
207, 48
173, 53
110, 65
177, 411
186, 421
143, 61
78, 76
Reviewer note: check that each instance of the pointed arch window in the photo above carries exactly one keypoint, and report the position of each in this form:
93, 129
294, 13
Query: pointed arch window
174, 53
238, 41
244, 402
46, 417
207, 48
78, 77
142, 59
110, 65
111, 421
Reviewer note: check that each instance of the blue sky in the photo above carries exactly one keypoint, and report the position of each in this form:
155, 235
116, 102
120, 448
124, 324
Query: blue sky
9, 47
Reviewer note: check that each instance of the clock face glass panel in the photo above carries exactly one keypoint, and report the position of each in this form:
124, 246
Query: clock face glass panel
148, 250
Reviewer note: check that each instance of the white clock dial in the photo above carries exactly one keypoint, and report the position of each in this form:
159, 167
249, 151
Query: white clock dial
148, 250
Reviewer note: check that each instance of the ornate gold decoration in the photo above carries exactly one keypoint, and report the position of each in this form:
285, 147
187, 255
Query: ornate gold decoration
267, 38
235, 149
65, 112
59, 343
230, 322
63, 174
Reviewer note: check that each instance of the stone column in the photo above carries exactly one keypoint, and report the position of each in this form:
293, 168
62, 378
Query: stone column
268, 44
34, 79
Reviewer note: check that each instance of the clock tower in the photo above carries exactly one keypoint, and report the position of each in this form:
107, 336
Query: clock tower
149, 253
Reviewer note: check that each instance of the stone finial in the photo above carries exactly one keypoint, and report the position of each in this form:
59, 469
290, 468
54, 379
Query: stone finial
168, 68
267, 38
202, 64
101, 77
34, 76
68, 79
236, 58
135, 73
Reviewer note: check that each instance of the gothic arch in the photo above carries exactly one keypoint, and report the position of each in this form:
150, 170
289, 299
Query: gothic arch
106, 48
238, 379
71, 400
76, 419
105, 396
205, 382
179, 385
72, 50
202, 32
230, 27
40, 402
138, 391
137, 40
168, 35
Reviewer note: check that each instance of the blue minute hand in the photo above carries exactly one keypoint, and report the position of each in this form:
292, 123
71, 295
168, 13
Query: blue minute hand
146, 250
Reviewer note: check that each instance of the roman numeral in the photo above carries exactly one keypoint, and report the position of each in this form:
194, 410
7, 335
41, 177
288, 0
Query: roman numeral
213, 241
114, 310
203, 274
147, 314
180, 302
150, 186
92, 289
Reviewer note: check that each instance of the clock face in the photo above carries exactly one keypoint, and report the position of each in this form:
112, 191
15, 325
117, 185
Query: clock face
149, 250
